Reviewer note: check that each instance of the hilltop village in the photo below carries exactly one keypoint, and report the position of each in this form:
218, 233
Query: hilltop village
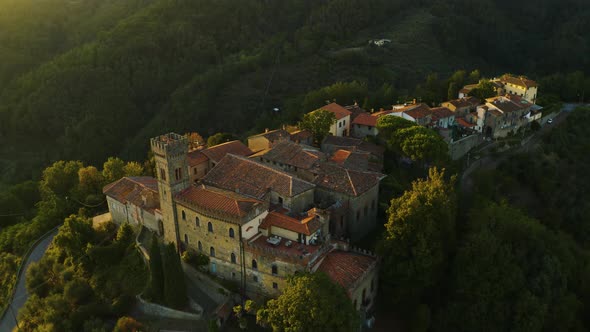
280, 206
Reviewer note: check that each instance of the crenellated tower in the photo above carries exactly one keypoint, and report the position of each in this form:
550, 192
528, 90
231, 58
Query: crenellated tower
170, 154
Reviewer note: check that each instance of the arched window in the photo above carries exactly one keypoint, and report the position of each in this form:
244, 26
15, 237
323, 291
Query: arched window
275, 270
254, 265
183, 215
233, 258
231, 232
186, 239
210, 227
200, 246
197, 222
212, 252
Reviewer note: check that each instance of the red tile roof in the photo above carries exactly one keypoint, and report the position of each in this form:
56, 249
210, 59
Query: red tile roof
346, 268
301, 135
196, 157
215, 153
289, 153
464, 102
506, 105
519, 81
339, 111
418, 111
141, 191
347, 181
365, 119
340, 156
353, 144
464, 123
248, 177
218, 203
442, 112
307, 226
355, 160
274, 135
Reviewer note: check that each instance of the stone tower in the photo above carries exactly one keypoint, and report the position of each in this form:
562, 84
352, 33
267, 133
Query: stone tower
170, 154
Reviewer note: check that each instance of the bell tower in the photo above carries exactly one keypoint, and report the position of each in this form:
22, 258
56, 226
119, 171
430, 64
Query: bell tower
170, 154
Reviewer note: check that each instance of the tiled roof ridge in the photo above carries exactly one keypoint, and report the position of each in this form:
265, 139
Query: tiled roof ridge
351, 183
280, 172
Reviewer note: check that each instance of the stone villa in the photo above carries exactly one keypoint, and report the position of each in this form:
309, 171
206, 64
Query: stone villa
261, 212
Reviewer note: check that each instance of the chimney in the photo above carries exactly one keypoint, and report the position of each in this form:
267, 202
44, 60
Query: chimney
414, 101
266, 130
355, 103
372, 110
381, 109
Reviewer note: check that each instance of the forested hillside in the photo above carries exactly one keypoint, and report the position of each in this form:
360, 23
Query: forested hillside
89, 79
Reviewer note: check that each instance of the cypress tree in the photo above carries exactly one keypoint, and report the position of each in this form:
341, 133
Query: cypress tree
174, 283
155, 289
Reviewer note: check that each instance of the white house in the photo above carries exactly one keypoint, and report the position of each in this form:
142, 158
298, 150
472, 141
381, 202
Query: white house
342, 125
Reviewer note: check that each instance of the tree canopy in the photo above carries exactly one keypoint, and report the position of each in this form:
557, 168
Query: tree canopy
311, 302
419, 235
318, 122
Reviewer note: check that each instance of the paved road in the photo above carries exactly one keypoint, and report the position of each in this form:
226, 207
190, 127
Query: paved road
20, 296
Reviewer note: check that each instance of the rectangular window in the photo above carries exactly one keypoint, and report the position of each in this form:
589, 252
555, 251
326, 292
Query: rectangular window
275, 285
162, 174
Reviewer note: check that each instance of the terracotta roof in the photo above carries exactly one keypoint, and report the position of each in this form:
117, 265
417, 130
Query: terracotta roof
216, 202
347, 181
339, 111
307, 226
289, 153
520, 81
215, 153
353, 144
365, 119
355, 160
442, 112
250, 178
465, 102
356, 110
141, 191
419, 111
464, 123
346, 268
340, 156
506, 105
300, 135
274, 135
196, 157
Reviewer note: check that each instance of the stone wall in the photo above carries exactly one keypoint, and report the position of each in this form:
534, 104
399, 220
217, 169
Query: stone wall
459, 148
157, 310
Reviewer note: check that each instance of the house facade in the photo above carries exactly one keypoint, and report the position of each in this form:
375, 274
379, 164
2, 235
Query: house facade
342, 125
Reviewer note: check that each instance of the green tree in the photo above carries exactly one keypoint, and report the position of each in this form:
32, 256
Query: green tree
422, 144
389, 125
510, 274
113, 169
219, 138
60, 179
485, 89
133, 168
419, 235
128, 324
174, 282
311, 302
318, 122
474, 77
91, 182
73, 236
155, 287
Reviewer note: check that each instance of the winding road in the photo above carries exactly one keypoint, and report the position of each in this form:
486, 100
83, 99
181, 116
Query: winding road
20, 296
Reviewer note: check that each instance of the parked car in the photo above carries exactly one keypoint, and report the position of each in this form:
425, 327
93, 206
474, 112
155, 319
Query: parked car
550, 121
